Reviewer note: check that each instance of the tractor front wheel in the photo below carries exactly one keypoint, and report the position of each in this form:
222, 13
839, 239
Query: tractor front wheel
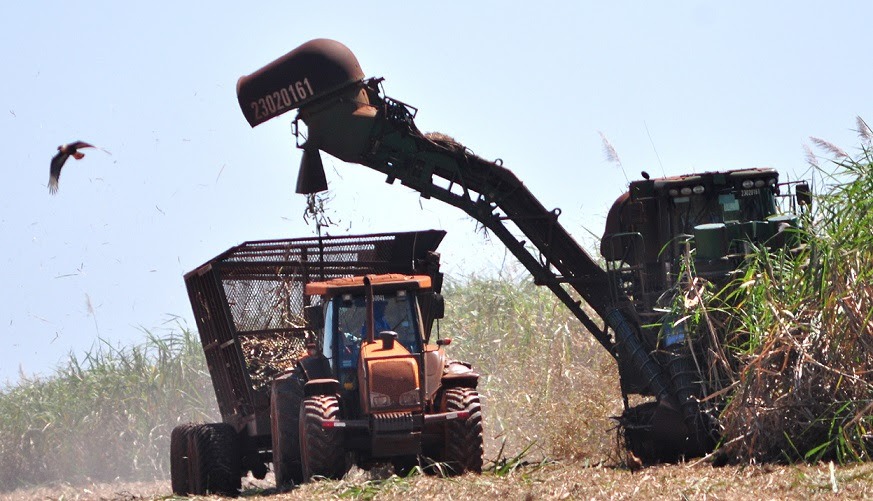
464, 444
321, 449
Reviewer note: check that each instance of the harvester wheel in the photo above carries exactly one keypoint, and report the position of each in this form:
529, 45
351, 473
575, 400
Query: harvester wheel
179, 467
214, 456
464, 445
321, 448
286, 399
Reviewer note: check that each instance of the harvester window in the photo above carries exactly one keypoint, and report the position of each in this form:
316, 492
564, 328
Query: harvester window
757, 204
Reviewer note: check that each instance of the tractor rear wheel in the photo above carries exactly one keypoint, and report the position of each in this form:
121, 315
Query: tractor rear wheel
214, 457
321, 449
286, 399
464, 444
179, 467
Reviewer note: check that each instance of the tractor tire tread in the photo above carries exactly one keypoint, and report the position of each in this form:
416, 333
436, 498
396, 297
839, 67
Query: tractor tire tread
464, 443
322, 449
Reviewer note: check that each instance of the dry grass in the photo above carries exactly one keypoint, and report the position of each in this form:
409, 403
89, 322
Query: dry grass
798, 352
565, 480
548, 386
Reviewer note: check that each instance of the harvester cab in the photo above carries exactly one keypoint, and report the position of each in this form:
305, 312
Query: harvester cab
721, 215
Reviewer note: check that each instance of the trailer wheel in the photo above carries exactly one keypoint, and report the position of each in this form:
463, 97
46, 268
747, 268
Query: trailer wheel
214, 457
286, 398
321, 448
179, 467
464, 444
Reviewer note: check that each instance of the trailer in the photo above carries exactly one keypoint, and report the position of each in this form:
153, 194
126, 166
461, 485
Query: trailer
249, 306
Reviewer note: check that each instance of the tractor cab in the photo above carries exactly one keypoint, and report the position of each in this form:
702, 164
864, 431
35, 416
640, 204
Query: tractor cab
376, 388
354, 343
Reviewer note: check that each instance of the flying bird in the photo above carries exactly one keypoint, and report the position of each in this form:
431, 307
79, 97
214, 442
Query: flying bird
65, 151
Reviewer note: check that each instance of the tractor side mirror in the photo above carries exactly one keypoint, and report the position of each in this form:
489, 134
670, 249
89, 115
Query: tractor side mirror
314, 316
803, 194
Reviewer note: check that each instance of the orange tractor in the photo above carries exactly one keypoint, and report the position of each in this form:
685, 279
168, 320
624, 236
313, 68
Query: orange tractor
376, 388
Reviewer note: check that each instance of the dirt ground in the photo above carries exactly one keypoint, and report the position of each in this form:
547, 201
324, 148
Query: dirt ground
572, 480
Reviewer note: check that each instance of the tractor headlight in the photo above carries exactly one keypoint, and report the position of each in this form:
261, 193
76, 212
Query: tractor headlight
410, 397
379, 400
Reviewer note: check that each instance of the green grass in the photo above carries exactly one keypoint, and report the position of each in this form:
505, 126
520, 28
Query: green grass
107, 414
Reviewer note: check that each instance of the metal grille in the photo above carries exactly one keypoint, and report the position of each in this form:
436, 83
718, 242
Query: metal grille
248, 302
392, 422
260, 305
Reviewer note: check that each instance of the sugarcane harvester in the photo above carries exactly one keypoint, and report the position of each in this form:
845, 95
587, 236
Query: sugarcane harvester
350, 117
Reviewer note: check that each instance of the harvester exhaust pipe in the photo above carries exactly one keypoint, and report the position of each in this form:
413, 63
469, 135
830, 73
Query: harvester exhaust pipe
311, 177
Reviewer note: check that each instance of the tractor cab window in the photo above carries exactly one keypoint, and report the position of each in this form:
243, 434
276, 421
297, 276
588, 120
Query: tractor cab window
392, 312
327, 347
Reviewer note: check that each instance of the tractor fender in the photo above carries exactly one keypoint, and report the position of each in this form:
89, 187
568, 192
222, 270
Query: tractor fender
321, 387
456, 374
315, 367
459, 374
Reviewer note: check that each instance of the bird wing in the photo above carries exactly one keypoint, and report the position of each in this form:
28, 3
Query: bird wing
80, 144
55, 171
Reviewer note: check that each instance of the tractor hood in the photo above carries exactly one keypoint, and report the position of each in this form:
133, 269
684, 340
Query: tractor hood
390, 379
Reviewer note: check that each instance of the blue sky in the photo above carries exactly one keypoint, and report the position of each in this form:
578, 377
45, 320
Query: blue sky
675, 86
